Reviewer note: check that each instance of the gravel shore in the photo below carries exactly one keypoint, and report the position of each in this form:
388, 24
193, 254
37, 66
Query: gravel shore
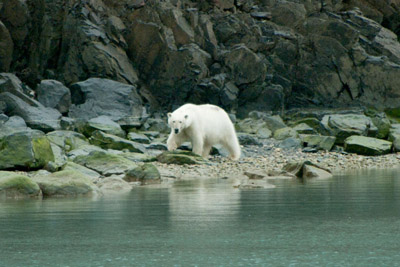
269, 159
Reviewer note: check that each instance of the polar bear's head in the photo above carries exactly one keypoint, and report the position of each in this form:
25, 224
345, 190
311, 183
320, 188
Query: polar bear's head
178, 121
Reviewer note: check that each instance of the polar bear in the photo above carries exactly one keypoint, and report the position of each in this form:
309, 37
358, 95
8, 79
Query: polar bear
204, 126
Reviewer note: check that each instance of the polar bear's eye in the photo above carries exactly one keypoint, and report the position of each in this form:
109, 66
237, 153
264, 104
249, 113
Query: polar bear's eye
180, 121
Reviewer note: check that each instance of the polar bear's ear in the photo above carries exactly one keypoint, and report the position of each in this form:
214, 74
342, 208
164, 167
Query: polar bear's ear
186, 116
169, 114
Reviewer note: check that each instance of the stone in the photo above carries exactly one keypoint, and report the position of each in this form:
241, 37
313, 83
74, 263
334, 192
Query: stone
17, 186
180, 158
60, 159
65, 183
113, 184
367, 146
146, 174
71, 166
35, 114
284, 133
314, 172
157, 125
345, 125
303, 128
67, 140
157, 146
138, 138
54, 94
25, 149
101, 123
83, 151
102, 97
318, 141
109, 141
306, 170
105, 163
381, 121
248, 139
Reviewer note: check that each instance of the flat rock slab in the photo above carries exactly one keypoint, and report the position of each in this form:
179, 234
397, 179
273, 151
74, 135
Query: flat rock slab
367, 146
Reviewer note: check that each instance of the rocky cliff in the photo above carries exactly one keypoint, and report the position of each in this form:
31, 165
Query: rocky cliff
242, 55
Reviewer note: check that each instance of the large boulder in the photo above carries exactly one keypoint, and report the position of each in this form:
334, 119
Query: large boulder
306, 170
345, 125
101, 123
65, 184
105, 163
67, 140
367, 146
35, 114
54, 94
25, 149
318, 142
95, 97
146, 174
109, 141
13, 185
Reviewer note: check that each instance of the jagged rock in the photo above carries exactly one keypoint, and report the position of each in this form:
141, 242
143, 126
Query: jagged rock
60, 159
284, 133
343, 126
14, 123
84, 151
180, 158
36, 116
109, 141
303, 128
101, 123
66, 184
248, 139
25, 149
67, 140
96, 97
105, 163
367, 146
382, 122
138, 138
138, 157
16, 17
252, 126
317, 141
6, 48
146, 174
306, 169
154, 124
54, 94
71, 166
245, 66
157, 146
13, 185
90, 49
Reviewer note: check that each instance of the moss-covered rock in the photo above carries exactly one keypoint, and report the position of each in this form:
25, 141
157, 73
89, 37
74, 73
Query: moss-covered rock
318, 141
180, 158
284, 133
13, 185
25, 149
109, 141
146, 173
71, 166
67, 140
306, 170
381, 121
101, 123
105, 163
367, 146
65, 183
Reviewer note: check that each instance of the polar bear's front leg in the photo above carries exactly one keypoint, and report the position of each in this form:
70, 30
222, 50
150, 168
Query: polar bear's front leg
197, 145
171, 143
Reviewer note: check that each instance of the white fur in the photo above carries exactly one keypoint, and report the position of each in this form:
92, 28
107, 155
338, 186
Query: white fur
204, 126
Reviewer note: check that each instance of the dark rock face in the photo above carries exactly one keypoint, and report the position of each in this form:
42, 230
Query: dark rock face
96, 97
241, 55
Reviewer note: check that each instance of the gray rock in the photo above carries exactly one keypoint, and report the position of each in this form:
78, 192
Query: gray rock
138, 138
343, 126
96, 97
290, 143
247, 139
180, 158
105, 163
109, 141
306, 170
146, 174
318, 141
367, 146
157, 146
35, 114
113, 184
6, 48
156, 125
67, 140
54, 94
303, 128
284, 133
101, 123
66, 184
71, 166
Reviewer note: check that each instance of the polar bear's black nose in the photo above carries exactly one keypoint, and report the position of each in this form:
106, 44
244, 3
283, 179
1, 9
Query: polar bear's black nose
176, 131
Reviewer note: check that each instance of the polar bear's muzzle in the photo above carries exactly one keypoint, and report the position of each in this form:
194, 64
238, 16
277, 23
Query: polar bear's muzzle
176, 130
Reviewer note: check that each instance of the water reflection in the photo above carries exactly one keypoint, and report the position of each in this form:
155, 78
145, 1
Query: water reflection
352, 219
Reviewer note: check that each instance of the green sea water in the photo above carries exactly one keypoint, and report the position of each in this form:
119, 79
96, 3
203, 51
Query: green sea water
350, 220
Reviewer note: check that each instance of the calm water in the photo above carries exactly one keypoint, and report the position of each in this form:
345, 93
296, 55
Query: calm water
350, 220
